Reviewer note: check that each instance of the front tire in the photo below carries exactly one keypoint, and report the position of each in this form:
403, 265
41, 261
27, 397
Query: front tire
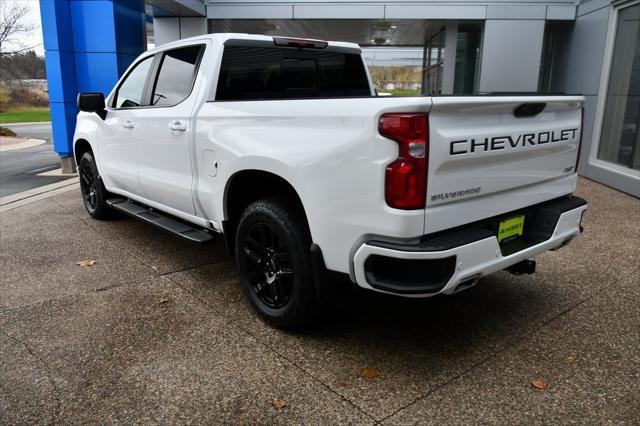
94, 194
273, 256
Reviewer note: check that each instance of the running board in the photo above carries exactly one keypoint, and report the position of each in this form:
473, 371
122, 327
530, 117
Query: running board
160, 220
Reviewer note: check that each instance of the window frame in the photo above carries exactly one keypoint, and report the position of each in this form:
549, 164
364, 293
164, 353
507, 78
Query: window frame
157, 67
616, 175
114, 97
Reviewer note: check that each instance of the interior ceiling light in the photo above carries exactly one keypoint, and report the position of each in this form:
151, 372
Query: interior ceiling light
269, 27
379, 40
384, 26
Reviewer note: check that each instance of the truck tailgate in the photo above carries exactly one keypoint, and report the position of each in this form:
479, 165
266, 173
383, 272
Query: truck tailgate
492, 154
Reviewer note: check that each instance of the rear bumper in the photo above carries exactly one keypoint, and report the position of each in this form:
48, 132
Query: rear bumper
454, 260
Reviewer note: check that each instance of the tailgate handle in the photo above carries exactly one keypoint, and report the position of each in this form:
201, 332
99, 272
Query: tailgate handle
529, 110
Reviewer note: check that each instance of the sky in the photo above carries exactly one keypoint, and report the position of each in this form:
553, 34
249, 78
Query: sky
32, 18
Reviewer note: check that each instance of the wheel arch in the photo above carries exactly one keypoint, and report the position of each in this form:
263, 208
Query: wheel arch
80, 147
248, 185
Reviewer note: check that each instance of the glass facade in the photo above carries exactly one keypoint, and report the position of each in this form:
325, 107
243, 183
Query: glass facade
552, 33
620, 138
467, 58
434, 64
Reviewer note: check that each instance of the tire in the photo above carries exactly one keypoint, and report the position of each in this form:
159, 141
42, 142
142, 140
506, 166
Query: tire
94, 194
273, 255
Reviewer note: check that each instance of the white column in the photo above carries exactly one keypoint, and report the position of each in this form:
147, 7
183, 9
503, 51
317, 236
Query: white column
176, 28
449, 65
166, 30
190, 27
511, 53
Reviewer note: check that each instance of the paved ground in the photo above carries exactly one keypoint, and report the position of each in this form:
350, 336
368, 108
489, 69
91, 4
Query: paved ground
158, 331
32, 130
19, 169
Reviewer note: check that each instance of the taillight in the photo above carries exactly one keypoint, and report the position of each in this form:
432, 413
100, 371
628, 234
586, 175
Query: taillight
406, 177
580, 141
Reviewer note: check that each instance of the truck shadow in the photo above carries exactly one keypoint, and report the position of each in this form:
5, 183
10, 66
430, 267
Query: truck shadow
499, 309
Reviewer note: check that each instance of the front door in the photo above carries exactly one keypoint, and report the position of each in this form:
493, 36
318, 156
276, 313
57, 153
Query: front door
118, 148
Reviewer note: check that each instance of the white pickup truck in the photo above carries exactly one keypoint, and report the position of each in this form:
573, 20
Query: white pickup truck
283, 146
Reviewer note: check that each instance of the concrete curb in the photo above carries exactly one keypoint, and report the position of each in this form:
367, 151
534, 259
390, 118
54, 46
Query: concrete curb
27, 143
24, 123
57, 173
20, 199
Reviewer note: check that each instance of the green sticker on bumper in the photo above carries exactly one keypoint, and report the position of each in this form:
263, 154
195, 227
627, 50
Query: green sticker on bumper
510, 228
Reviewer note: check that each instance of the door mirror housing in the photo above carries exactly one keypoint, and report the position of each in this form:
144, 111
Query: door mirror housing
92, 102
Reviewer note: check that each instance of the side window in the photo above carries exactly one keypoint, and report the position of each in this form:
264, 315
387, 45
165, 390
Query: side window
176, 76
253, 73
131, 91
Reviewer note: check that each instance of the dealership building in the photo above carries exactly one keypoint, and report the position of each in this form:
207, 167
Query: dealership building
589, 47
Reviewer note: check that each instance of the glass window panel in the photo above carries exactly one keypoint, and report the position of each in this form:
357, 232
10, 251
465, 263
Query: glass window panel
131, 91
467, 59
252, 73
176, 76
619, 141
434, 52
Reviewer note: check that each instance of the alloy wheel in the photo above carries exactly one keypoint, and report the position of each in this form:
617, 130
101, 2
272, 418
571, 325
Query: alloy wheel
269, 265
88, 186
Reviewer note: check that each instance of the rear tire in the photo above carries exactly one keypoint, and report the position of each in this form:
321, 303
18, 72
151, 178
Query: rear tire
94, 194
273, 256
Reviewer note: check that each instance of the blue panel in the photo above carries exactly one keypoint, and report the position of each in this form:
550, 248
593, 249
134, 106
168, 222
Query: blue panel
93, 26
89, 44
61, 75
130, 26
124, 61
56, 24
96, 72
63, 123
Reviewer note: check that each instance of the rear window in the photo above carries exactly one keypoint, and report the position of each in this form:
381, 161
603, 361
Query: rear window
254, 73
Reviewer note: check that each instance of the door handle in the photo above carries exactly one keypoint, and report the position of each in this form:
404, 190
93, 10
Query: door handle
127, 124
177, 126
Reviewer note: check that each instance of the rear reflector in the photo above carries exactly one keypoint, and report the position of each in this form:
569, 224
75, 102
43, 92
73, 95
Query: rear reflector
300, 43
406, 177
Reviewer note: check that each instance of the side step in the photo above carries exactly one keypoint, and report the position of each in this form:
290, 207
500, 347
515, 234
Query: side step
161, 220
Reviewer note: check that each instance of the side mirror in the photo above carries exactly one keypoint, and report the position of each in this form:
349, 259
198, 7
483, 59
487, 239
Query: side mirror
92, 102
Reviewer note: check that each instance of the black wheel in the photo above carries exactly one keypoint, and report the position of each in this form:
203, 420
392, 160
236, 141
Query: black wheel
272, 252
93, 191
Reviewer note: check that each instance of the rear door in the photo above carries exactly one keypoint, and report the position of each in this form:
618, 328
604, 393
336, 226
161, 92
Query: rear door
489, 155
164, 130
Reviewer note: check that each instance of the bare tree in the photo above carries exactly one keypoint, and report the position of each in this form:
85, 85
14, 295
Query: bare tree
12, 27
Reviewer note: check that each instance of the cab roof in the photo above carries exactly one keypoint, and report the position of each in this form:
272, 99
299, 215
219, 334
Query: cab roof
259, 39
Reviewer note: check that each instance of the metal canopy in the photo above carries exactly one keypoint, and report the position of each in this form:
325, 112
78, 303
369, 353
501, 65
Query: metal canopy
365, 32
185, 8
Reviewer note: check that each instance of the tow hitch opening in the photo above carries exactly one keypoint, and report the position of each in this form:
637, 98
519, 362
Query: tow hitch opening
524, 267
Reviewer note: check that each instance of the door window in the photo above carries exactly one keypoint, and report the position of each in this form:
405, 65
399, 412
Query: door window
176, 76
131, 91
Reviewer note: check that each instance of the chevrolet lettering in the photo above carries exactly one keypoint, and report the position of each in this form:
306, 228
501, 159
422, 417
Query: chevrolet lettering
498, 143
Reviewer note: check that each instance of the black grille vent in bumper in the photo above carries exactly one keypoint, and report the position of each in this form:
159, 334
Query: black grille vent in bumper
407, 276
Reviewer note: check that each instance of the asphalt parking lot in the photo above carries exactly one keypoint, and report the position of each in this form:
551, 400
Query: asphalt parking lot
158, 331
